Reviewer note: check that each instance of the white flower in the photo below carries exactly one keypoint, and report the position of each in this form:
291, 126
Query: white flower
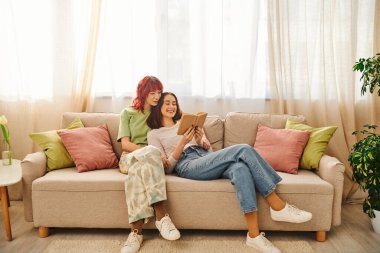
3, 120
5, 130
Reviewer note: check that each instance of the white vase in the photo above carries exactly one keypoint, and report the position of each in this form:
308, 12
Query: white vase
376, 222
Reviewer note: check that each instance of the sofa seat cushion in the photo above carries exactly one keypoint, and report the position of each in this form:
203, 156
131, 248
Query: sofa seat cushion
70, 180
306, 182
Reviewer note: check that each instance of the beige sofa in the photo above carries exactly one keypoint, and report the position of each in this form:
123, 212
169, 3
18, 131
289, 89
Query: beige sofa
96, 199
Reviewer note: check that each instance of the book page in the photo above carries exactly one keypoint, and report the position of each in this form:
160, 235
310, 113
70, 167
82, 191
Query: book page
200, 120
190, 120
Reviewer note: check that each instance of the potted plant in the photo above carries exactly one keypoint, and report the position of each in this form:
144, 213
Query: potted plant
365, 154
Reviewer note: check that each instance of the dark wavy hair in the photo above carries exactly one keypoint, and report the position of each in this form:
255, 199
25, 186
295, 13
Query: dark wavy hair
146, 85
154, 120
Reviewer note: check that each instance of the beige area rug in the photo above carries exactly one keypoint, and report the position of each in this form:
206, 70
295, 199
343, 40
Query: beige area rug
163, 246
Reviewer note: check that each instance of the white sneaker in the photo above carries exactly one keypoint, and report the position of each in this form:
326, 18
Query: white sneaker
167, 228
291, 214
133, 243
262, 244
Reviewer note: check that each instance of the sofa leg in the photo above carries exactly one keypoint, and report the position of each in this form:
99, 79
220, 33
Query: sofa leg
320, 236
43, 232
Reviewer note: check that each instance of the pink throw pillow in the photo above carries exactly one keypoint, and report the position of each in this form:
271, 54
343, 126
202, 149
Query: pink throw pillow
281, 148
90, 148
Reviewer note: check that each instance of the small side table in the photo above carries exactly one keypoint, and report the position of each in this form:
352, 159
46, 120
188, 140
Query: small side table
9, 175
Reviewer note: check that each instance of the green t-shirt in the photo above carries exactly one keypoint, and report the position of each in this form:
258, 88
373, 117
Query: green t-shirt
133, 124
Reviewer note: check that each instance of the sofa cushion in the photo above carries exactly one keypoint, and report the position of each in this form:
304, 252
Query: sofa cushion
68, 180
305, 182
214, 130
50, 142
241, 127
281, 148
90, 148
316, 145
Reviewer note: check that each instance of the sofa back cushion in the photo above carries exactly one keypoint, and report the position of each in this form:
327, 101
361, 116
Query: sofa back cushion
241, 127
237, 127
214, 130
214, 127
96, 119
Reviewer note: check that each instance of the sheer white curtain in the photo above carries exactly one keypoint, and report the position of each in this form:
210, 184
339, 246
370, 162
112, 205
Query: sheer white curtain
312, 48
210, 53
128, 46
41, 49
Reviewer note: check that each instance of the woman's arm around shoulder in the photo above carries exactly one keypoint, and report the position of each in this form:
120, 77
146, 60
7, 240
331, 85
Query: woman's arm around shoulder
127, 145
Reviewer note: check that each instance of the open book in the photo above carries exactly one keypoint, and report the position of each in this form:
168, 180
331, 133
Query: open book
189, 120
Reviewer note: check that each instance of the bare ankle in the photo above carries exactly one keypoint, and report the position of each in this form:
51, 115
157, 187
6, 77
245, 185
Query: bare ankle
137, 227
253, 234
159, 210
275, 202
278, 207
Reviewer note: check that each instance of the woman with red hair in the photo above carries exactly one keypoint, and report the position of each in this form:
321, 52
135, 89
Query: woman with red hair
145, 186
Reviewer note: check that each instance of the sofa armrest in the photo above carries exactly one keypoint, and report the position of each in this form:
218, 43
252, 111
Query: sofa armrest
33, 166
332, 171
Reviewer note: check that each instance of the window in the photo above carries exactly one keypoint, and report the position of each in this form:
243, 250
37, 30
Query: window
196, 48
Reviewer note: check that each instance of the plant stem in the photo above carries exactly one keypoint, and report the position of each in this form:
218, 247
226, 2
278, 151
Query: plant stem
9, 148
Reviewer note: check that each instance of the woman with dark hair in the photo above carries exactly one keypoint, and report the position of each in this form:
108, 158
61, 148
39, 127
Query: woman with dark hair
145, 186
190, 156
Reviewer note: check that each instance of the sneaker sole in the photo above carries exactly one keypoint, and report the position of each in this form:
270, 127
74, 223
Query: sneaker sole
252, 246
169, 239
291, 221
172, 239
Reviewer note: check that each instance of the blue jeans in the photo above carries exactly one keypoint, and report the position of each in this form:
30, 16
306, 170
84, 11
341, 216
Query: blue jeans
240, 163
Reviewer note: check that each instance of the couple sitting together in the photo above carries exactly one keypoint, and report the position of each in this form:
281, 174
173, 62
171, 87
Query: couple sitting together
153, 119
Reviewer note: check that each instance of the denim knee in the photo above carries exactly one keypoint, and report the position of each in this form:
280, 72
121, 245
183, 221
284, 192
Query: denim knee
240, 176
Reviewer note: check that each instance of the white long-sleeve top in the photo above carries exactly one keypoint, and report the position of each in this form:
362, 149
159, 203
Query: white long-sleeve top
166, 139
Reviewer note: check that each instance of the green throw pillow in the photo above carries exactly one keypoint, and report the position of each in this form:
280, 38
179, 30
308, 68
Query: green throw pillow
55, 151
317, 144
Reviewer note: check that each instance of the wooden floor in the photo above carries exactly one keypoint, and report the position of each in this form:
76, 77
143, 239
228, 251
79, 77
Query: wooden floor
355, 234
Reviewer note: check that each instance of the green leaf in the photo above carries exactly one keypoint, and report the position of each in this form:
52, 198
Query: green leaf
5, 134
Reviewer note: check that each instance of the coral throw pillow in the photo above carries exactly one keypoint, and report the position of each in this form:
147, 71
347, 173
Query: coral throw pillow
281, 148
51, 144
316, 147
90, 148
